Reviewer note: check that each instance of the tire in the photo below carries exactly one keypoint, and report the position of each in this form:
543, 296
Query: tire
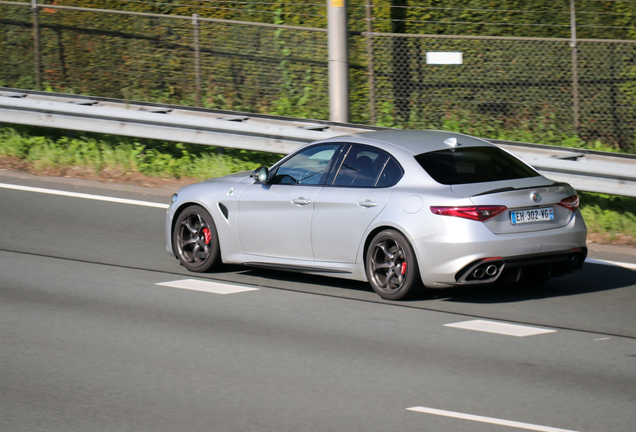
391, 266
195, 240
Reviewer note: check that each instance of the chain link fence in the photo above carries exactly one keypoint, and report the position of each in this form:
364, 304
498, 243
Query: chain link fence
532, 90
509, 87
167, 59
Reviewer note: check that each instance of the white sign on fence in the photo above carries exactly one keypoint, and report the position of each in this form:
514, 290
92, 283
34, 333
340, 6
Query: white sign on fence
444, 58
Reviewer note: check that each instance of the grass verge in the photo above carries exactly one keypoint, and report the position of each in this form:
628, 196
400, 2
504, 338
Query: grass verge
610, 219
114, 158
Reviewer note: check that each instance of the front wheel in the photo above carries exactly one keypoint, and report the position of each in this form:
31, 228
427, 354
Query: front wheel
195, 239
391, 266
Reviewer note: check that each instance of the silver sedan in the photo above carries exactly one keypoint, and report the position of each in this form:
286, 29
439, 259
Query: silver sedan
400, 209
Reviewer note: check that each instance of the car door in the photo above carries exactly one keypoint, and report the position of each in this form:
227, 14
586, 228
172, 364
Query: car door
275, 217
356, 192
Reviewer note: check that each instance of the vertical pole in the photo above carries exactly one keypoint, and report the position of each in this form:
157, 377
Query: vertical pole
36, 44
620, 138
371, 67
338, 62
575, 69
197, 60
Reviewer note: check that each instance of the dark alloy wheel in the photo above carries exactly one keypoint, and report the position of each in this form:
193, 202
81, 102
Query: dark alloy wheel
391, 266
195, 240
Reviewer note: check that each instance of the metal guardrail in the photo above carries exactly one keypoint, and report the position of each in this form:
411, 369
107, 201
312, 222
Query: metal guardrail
165, 122
586, 170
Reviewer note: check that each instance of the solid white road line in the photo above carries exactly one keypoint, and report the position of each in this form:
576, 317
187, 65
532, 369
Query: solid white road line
612, 263
206, 286
83, 195
499, 328
490, 420
165, 206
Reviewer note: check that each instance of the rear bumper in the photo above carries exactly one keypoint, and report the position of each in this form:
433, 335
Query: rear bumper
511, 269
451, 256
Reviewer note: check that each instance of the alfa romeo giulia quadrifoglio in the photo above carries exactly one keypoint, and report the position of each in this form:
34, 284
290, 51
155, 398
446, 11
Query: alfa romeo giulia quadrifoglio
400, 209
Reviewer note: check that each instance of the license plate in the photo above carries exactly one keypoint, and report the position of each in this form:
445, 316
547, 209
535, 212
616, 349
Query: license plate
534, 215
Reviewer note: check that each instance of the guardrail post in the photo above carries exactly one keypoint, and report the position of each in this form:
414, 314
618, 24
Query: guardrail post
36, 43
197, 60
338, 62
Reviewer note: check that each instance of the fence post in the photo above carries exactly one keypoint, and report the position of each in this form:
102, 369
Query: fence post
371, 67
575, 69
197, 60
36, 43
338, 62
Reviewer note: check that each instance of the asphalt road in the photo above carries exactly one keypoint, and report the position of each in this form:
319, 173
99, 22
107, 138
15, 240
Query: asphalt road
90, 342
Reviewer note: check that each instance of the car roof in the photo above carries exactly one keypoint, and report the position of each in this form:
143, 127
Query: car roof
415, 141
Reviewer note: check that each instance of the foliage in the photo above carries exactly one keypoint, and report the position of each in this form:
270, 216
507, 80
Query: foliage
519, 90
51, 149
539, 18
297, 97
610, 214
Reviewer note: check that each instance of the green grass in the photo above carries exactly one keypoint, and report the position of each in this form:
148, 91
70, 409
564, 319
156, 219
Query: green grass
613, 217
53, 149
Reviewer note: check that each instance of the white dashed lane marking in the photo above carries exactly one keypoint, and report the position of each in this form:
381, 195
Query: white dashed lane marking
499, 328
491, 420
207, 286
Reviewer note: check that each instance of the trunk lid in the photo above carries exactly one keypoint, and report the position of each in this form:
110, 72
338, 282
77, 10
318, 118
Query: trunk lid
532, 203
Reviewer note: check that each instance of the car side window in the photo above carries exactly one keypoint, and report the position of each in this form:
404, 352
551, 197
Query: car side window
367, 167
308, 167
391, 174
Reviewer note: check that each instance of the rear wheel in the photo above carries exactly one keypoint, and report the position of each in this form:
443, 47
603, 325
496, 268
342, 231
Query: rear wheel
195, 239
391, 266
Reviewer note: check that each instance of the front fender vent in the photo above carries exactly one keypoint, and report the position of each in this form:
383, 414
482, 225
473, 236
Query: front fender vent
224, 210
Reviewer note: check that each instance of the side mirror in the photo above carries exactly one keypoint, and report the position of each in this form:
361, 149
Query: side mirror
261, 174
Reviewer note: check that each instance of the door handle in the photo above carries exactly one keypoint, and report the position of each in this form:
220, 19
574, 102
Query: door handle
367, 204
300, 201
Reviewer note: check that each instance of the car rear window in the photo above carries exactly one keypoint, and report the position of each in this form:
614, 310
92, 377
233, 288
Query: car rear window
473, 165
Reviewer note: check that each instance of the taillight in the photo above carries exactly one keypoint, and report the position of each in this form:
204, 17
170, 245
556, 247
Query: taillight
476, 213
571, 203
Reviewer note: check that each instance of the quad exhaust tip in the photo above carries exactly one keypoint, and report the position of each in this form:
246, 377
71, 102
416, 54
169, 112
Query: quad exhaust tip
489, 270
486, 271
576, 261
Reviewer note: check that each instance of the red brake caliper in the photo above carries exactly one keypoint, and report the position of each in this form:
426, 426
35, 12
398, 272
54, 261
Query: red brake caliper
404, 267
208, 235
